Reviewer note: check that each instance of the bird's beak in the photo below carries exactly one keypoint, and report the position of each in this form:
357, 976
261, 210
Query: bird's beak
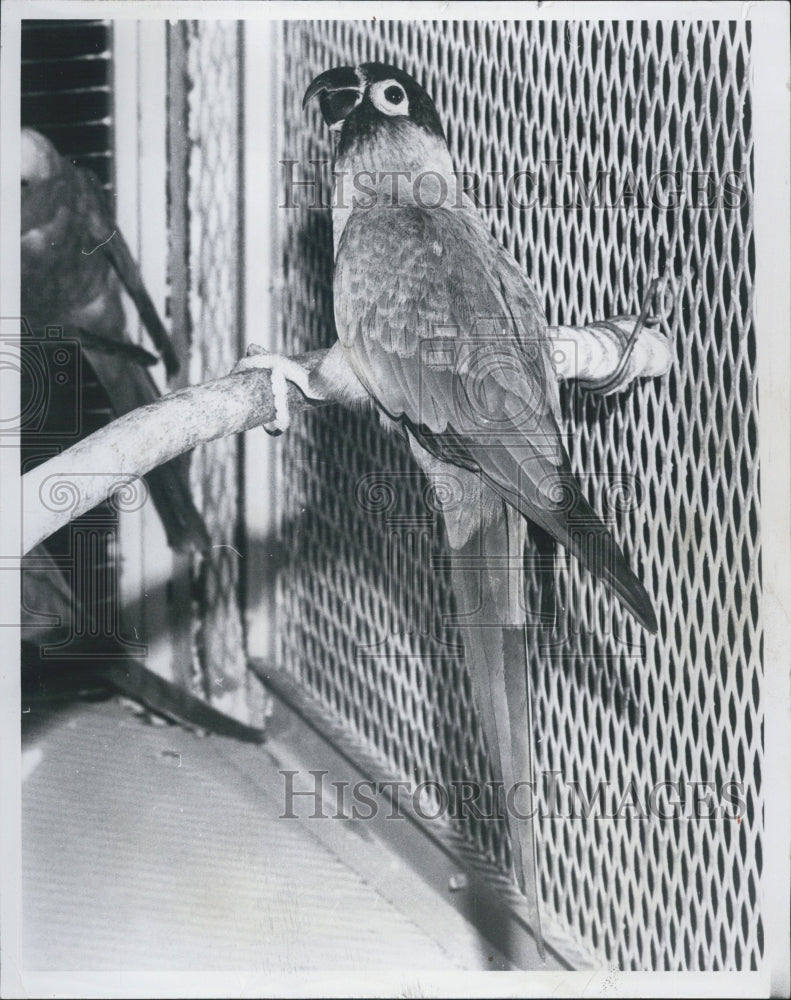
339, 92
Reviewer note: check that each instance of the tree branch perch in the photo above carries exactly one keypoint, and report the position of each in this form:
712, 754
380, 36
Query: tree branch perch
112, 460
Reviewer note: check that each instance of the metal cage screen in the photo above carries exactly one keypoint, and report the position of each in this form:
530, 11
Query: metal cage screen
637, 893
206, 254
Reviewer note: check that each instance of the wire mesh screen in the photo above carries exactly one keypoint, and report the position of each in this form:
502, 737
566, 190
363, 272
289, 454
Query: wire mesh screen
363, 597
205, 125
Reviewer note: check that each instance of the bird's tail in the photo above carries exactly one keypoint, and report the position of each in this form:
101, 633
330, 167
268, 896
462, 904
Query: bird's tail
170, 491
488, 583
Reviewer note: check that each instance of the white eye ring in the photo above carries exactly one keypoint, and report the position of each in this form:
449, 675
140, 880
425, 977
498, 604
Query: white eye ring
382, 94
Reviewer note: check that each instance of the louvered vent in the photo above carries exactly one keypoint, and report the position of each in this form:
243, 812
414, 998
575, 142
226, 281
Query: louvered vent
67, 96
67, 89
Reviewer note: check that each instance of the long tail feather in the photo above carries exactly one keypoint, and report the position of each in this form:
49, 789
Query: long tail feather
545, 548
170, 491
488, 581
518, 699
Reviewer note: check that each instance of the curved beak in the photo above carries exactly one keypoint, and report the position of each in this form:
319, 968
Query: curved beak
338, 90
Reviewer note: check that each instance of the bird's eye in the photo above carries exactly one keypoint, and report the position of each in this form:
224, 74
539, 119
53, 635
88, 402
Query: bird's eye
389, 97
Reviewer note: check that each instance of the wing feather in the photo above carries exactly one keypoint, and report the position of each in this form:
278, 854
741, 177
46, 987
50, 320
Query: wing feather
448, 336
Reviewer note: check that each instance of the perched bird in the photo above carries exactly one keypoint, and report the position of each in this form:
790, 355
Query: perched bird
442, 331
74, 262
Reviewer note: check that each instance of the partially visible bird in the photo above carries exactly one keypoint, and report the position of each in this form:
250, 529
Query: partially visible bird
59, 666
442, 331
74, 263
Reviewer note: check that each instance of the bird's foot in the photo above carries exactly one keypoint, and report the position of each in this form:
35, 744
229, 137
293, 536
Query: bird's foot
282, 370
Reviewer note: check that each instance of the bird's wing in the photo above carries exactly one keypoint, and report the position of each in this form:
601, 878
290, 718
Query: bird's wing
110, 242
446, 333
448, 342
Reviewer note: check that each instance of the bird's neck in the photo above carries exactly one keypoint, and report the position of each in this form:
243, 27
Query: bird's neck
404, 166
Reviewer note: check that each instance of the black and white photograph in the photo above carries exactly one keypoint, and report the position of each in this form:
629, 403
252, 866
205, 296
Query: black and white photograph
395, 448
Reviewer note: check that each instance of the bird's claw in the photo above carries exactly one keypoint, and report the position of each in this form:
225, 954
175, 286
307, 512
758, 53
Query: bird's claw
282, 370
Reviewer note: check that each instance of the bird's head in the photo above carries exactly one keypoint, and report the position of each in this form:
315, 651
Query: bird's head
38, 158
376, 105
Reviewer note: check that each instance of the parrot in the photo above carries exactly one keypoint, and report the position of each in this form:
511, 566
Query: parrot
442, 333
74, 262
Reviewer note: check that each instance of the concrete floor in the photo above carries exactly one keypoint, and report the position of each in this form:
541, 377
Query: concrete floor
149, 847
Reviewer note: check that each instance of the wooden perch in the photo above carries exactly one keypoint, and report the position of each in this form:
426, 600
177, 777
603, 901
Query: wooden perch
111, 461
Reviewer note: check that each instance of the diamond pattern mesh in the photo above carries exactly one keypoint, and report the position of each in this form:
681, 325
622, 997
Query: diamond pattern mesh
362, 595
212, 70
